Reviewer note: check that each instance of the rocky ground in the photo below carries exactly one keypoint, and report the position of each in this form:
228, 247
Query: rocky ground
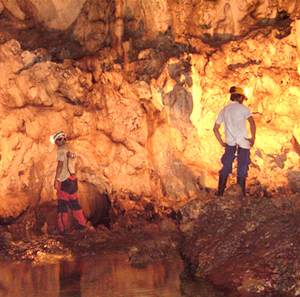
144, 242
243, 246
246, 245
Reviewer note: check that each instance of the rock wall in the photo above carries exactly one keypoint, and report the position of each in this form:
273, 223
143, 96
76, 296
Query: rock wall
137, 87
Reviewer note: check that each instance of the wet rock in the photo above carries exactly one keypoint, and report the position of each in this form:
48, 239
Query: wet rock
36, 250
103, 235
198, 288
191, 210
249, 247
144, 244
153, 245
5, 239
149, 244
167, 225
163, 242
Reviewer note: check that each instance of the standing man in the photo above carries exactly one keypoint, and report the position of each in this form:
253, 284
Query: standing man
66, 184
238, 143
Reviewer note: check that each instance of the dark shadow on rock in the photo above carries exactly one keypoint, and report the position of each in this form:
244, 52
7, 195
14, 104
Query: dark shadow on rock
179, 101
101, 210
282, 23
294, 180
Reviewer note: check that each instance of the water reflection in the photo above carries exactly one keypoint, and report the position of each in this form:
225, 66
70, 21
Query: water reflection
107, 274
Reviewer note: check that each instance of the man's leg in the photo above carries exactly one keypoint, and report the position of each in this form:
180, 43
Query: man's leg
227, 160
242, 168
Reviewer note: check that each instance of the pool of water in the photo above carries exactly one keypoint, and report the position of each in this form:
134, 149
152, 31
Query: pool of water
107, 274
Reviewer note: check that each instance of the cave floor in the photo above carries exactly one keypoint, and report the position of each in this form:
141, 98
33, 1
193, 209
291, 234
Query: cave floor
143, 243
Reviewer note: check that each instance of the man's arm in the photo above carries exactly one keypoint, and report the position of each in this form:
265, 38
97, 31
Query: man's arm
252, 130
217, 134
58, 172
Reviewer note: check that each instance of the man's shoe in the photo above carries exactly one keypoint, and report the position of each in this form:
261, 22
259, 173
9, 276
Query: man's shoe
57, 232
222, 184
81, 228
90, 227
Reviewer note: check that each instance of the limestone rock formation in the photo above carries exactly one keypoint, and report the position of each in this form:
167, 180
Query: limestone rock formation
137, 87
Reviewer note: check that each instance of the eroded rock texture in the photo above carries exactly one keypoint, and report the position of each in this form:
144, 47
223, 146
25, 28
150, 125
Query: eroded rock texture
137, 86
246, 246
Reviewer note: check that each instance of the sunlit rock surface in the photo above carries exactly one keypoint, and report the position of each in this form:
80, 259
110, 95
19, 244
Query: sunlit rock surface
137, 87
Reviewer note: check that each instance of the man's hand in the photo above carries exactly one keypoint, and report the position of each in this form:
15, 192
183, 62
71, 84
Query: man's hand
251, 140
71, 155
56, 184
